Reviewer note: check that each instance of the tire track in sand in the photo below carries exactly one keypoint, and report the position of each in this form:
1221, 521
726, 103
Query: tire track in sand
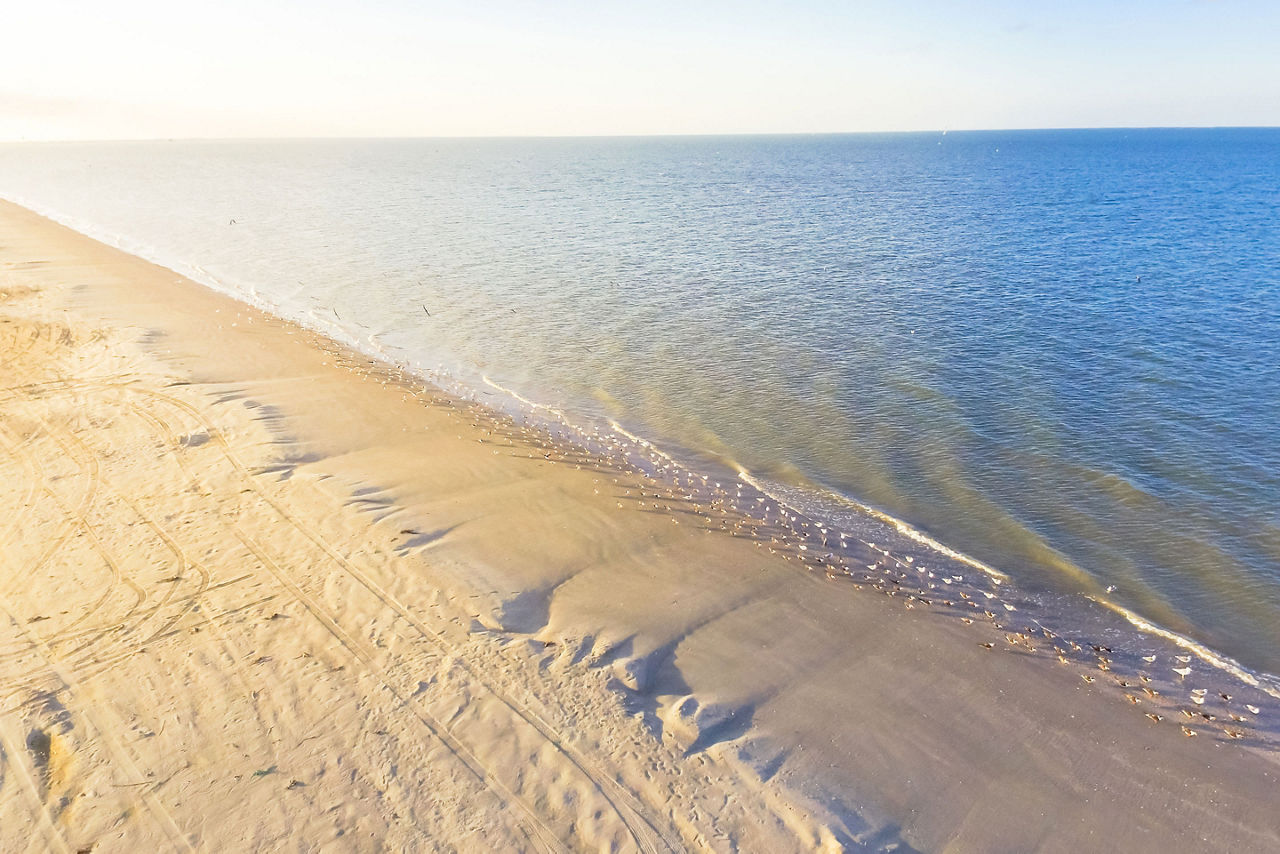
70, 524
631, 812
88, 464
182, 561
437, 728
170, 438
71, 689
30, 488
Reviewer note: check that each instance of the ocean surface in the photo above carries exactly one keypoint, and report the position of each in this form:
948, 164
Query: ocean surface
1057, 352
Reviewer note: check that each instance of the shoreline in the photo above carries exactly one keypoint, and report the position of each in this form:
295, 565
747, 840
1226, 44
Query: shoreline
573, 428
1178, 526
846, 718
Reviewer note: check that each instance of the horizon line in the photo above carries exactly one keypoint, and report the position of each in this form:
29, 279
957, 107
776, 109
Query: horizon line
673, 135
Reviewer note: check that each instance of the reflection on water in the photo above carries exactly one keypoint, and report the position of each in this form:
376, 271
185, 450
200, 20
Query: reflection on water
1054, 351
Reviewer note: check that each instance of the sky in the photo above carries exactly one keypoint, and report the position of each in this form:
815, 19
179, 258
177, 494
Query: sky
142, 69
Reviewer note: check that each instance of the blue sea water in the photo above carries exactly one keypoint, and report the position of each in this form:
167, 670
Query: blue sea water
1055, 351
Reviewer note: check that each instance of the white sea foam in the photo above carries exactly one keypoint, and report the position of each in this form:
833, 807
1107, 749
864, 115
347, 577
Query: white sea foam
515, 395
898, 525
644, 443
1220, 662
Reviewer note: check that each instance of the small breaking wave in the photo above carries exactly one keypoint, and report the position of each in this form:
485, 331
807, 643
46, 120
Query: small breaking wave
901, 527
1266, 684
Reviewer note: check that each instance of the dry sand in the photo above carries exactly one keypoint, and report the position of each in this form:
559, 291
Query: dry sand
259, 594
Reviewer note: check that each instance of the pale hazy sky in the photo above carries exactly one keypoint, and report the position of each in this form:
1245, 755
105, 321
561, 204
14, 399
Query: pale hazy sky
146, 69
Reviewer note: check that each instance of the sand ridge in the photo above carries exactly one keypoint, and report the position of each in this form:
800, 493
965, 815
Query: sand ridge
262, 593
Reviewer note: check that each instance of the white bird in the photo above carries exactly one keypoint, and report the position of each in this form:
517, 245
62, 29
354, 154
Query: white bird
1182, 671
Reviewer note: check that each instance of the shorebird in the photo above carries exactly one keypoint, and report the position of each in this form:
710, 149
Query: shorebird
1252, 709
1154, 718
1233, 733
1188, 731
1182, 671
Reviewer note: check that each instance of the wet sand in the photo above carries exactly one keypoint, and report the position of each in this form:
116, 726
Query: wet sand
259, 592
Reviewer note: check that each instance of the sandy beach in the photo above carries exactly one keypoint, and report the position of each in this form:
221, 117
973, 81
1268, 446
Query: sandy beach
262, 593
